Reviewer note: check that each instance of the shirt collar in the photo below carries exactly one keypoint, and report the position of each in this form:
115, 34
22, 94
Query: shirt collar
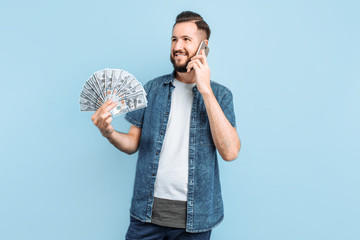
170, 78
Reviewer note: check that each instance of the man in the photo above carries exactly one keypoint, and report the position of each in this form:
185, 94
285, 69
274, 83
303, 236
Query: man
177, 189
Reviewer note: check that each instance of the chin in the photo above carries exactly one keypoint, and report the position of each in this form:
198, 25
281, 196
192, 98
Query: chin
179, 67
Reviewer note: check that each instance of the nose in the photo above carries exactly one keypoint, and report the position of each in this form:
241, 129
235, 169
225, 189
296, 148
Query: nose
178, 45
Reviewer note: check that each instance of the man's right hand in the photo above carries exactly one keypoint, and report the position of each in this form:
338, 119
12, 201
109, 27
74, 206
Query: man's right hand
102, 118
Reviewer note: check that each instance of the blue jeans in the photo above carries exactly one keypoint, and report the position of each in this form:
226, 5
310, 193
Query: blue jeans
147, 231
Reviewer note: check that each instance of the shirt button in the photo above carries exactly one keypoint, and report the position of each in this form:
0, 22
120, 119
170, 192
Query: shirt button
153, 174
167, 113
162, 133
157, 153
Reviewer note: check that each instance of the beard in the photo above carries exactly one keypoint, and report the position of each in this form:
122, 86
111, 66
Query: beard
180, 67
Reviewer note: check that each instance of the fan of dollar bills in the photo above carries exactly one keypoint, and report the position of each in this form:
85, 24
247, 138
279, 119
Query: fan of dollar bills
115, 84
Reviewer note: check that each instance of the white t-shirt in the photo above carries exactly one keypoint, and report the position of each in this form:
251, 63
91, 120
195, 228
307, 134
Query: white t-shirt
172, 175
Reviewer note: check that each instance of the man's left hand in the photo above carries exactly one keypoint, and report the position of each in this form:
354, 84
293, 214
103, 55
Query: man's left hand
202, 72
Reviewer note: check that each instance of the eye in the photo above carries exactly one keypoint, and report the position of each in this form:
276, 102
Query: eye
187, 39
173, 39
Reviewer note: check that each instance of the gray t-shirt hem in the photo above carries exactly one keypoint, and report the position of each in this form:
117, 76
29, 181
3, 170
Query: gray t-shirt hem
169, 213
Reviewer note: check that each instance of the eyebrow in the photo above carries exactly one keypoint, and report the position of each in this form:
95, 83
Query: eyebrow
184, 36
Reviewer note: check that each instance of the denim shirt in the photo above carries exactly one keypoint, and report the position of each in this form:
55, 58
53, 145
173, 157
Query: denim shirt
204, 201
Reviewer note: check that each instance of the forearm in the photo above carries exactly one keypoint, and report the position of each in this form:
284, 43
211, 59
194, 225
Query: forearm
224, 135
125, 142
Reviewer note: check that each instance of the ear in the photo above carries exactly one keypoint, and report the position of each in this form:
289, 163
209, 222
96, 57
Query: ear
206, 41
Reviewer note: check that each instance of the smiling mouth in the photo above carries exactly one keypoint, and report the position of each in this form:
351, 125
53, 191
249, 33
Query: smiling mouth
180, 54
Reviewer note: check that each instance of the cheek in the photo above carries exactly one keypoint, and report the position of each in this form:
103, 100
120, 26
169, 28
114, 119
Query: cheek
191, 50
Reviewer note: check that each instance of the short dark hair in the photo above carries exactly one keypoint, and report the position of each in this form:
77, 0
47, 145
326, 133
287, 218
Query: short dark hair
188, 16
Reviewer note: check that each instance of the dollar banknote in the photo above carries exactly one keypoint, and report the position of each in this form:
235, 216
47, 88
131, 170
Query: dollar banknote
117, 85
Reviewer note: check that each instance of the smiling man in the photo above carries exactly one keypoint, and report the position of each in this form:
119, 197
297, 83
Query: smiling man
187, 121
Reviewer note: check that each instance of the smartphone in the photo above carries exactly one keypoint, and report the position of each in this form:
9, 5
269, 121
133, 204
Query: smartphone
203, 45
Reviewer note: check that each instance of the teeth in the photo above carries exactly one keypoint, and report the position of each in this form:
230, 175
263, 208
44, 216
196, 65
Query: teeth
180, 54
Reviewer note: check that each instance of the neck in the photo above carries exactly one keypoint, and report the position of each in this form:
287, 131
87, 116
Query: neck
186, 77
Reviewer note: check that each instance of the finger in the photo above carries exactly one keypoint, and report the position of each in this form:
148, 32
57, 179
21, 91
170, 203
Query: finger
102, 121
196, 66
197, 62
99, 110
105, 104
107, 123
108, 120
110, 106
192, 65
202, 58
194, 61
98, 116
189, 66
105, 115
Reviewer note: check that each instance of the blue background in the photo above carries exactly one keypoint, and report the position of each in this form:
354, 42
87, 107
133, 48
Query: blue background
293, 67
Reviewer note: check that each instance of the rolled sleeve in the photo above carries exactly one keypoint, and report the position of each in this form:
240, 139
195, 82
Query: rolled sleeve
136, 117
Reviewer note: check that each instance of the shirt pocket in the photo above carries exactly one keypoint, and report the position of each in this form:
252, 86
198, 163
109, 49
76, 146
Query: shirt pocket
205, 132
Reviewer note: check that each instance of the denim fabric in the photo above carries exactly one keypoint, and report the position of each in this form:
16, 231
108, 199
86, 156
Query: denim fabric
204, 200
148, 231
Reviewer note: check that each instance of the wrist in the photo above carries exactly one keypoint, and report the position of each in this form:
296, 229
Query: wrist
110, 136
207, 92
